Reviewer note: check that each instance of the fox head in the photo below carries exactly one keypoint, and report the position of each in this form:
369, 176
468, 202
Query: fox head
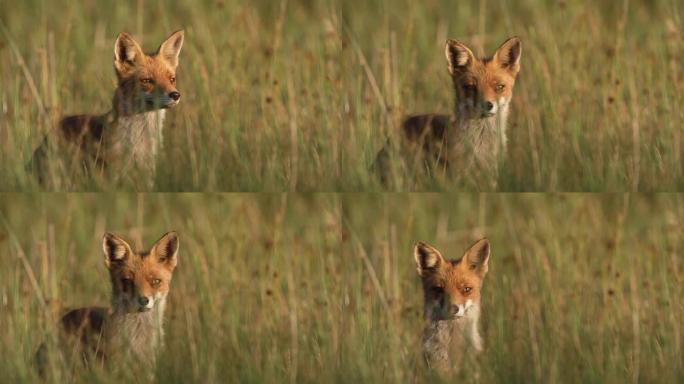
484, 87
451, 287
146, 82
140, 280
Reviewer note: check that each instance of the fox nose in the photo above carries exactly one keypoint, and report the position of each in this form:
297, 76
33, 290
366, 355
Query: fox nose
144, 301
175, 95
455, 309
489, 106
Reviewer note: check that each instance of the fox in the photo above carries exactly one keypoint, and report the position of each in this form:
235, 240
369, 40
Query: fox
131, 329
451, 292
126, 139
474, 134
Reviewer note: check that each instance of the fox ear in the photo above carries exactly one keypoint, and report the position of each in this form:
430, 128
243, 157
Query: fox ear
171, 47
428, 258
116, 250
477, 256
458, 56
127, 53
508, 55
166, 250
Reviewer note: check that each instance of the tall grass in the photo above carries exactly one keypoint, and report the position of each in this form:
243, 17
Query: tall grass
299, 95
323, 288
593, 108
257, 85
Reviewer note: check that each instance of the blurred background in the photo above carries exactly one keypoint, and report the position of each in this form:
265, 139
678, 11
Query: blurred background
301, 94
323, 287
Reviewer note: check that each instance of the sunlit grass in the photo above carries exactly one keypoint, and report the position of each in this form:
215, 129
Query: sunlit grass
595, 107
321, 288
300, 95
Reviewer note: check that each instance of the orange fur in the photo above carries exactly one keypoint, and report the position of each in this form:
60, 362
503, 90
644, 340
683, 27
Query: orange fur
451, 291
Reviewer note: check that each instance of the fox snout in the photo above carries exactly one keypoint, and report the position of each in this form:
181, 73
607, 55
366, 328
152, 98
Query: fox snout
489, 108
173, 99
145, 303
483, 107
170, 99
449, 309
162, 99
133, 302
458, 310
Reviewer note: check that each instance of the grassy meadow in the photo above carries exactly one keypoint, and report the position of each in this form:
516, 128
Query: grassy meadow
323, 288
299, 95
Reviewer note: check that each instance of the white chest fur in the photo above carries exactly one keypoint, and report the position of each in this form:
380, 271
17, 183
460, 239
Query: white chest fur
137, 139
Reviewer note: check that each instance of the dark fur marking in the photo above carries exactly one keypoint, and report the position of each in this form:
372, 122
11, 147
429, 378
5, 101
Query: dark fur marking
86, 325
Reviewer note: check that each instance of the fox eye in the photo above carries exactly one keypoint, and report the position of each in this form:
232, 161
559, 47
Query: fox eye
155, 282
469, 87
147, 81
466, 290
499, 88
173, 80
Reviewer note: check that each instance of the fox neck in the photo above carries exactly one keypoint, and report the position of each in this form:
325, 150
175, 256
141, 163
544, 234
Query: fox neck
136, 138
486, 137
440, 337
138, 335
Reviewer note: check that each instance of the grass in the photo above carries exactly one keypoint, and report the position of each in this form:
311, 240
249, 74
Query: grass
300, 95
323, 288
